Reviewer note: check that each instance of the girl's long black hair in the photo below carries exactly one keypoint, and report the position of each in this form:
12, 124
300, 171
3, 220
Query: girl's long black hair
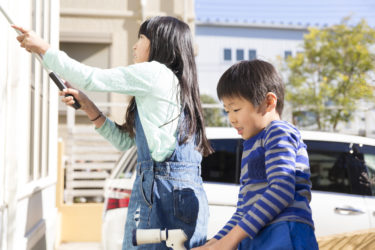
171, 44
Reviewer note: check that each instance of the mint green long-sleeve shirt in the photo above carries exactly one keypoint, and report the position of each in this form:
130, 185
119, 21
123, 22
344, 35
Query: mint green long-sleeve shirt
156, 92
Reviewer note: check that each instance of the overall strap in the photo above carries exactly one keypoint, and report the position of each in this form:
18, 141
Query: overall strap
186, 152
143, 150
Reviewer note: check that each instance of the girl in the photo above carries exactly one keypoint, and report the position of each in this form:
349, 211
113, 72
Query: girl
164, 120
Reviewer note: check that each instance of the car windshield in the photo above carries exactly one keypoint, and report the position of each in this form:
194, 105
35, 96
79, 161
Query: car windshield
125, 166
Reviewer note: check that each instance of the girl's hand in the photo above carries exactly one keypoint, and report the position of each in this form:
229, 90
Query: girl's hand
31, 41
91, 110
85, 102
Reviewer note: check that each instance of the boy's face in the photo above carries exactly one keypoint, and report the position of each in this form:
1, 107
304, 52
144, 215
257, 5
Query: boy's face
244, 117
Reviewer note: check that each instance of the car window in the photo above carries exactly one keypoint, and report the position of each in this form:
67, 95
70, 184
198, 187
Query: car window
225, 164
126, 164
338, 167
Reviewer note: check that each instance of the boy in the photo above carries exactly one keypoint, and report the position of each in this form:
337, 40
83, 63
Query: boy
273, 209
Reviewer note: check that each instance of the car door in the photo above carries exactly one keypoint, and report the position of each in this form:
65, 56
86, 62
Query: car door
221, 173
338, 198
335, 213
369, 158
222, 201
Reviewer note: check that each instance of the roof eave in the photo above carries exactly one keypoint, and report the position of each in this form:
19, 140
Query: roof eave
252, 25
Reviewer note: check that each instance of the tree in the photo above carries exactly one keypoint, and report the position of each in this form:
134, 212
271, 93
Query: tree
213, 117
333, 73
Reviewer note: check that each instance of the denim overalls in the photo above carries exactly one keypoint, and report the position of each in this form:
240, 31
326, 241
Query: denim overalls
167, 194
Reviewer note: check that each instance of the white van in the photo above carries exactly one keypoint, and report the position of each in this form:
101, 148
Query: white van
342, 176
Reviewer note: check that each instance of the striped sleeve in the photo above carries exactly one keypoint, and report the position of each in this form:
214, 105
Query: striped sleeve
236, 217
280, 160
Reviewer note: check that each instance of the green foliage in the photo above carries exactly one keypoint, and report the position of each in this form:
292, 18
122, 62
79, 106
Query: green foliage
213, 117
332, 75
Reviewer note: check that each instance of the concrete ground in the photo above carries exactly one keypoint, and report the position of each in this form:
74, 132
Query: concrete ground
79, 246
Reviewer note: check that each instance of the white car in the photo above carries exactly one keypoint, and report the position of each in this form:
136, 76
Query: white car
342, 175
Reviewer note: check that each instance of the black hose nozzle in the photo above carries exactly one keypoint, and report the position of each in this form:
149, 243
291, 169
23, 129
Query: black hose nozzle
60, 84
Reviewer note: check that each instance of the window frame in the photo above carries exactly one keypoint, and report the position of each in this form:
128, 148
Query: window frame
39, 130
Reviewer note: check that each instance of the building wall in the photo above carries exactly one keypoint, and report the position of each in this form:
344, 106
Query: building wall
28, 131
270, 44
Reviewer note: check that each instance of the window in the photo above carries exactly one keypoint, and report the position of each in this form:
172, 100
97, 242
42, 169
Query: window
339, 167
287, 54
252, 54
225, 164
239, 54
39, 97
369, 160
227, 55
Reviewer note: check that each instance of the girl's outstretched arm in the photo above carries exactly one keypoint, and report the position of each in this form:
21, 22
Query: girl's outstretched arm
104, 126
134, 80
31, 41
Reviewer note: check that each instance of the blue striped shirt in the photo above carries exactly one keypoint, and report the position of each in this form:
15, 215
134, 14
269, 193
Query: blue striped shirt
275, 180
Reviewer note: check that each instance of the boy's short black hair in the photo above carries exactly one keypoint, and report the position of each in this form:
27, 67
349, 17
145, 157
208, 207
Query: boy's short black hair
252, 80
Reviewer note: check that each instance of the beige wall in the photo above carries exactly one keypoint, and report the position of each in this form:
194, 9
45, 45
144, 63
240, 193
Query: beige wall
116, 23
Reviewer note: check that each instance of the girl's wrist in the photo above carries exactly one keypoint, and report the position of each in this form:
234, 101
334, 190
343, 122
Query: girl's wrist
94, 115
89, 108
44, 49
97, 117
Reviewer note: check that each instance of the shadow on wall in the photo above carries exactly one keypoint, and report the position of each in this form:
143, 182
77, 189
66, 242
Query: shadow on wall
35, 231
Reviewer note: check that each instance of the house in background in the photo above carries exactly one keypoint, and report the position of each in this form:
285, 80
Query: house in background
230, 31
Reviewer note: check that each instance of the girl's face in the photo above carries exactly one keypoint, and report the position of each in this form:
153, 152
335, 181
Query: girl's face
141, 49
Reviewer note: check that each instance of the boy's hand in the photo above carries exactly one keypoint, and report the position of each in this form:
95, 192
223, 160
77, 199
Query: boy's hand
228, 242
31, 41
215, 245
209, 243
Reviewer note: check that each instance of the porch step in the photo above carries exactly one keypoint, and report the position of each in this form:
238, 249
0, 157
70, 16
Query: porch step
89, 161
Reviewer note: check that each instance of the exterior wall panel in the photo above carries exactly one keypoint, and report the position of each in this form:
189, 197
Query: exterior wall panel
28, 132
